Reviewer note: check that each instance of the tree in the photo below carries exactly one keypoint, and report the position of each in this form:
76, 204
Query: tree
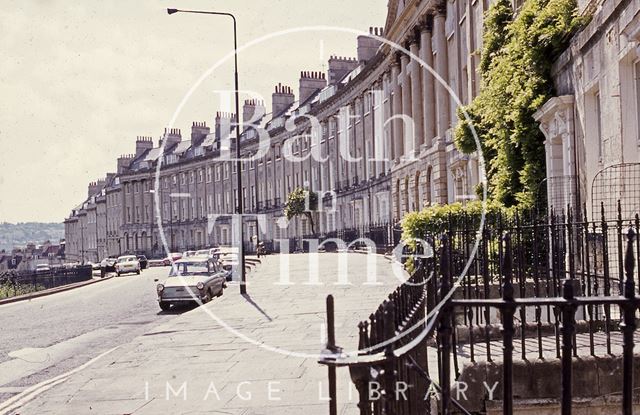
302, 201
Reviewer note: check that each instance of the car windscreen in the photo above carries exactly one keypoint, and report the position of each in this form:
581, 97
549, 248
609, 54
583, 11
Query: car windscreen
190, 268
126, 259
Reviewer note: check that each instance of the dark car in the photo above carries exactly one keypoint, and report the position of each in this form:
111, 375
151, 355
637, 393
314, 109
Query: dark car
144, 263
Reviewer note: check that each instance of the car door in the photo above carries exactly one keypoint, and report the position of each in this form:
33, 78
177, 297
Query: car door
216, 279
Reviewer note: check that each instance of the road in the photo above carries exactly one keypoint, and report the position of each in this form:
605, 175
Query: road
268, 338
51, 335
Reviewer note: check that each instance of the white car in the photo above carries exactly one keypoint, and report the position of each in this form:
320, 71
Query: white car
42, 268
209, 253
127, 264
191, 279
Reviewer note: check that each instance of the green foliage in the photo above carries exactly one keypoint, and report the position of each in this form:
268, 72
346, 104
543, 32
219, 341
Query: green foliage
9, 290
301, 201
516, 81
435, 219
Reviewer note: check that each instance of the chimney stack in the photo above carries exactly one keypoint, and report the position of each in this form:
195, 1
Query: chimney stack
253, 109
96, 187
368, 46
124, 161
281, 99
223, 127
310, 83
143, 144
199, 131
171, 136
339, 67
92, 189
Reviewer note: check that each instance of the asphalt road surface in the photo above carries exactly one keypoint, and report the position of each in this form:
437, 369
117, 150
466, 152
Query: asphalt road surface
50, 335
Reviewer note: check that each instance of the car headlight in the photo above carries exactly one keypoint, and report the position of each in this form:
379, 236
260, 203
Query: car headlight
200, 286
160, 288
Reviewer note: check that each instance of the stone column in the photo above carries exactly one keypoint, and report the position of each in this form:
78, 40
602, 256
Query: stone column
407, 139
385, 111
396, 108
429, 105
442, 95
416, 97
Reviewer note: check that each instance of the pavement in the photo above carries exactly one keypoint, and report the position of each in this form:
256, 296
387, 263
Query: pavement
252, 354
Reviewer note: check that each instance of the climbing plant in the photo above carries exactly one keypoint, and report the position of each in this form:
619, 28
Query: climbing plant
517, 56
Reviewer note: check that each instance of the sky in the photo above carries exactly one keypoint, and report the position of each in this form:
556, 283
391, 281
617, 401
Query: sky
80, 81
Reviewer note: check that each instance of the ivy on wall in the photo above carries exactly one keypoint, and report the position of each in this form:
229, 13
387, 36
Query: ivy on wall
518, 52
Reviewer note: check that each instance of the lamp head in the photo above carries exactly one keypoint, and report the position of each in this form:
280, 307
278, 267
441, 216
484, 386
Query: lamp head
172, 11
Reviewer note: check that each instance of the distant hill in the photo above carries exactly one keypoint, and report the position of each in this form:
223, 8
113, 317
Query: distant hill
19, 234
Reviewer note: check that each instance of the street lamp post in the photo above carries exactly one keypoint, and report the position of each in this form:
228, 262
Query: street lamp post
152, 194
243, 277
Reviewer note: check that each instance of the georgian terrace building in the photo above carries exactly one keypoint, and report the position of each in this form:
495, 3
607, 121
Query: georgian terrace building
592, 127
358, 105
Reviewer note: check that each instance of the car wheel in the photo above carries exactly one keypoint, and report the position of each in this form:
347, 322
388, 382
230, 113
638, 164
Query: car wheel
164, 306
118, 274
208, 297
138, 272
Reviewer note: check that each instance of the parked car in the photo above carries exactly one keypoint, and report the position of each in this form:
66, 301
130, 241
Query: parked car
158, 262
210, 252
230, 259
42, 269
227, 270
187, 254
190, 279
144, 263
107, 265
172, 256
127, 264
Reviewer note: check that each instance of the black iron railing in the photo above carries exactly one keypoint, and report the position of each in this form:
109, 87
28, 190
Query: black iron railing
520, 281
14, 283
